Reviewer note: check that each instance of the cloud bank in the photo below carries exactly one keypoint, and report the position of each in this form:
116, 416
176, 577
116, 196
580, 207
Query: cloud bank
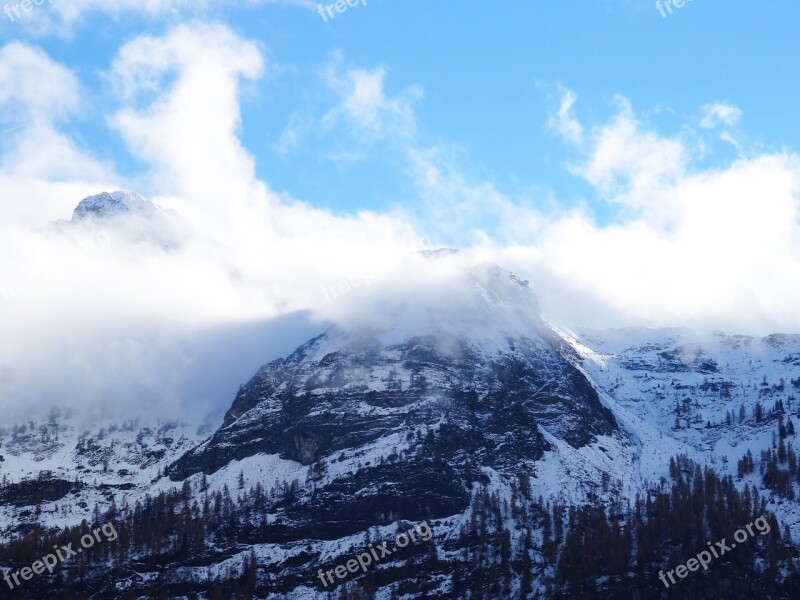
123, 313
113, 316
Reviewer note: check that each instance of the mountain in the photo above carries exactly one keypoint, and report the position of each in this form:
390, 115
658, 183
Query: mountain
106, 205
57, 469
523, 460
110, 219
495, 385
402, 428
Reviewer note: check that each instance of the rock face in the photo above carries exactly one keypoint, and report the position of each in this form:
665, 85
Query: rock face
405, 423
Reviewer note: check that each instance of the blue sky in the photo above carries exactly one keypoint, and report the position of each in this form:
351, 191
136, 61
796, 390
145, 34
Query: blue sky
487, 75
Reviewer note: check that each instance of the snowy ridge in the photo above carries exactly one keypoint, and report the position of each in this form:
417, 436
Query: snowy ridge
98, 460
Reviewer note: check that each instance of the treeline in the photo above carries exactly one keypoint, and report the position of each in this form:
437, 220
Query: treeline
777, 466
624, 553
617, 551
171, 528
512, 545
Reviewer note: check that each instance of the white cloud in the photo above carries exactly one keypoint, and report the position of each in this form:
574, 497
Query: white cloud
628, 164
714, 248
451, 205
126, 311
563, 121
183, 117
461, 209
723, 255
365, 111
40, 165
718, 113
298, 127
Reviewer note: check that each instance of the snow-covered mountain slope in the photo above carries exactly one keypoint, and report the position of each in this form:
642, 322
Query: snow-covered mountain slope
363, 427
416, 420
499, 377
718, 396
55, 470
458, 406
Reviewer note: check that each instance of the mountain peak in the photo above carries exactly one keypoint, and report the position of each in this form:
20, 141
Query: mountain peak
110, 204
448, 297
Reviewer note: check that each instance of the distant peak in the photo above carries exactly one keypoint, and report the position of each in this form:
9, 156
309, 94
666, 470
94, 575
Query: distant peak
109, 204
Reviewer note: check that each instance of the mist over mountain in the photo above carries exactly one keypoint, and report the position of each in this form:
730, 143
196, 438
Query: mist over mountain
545, 461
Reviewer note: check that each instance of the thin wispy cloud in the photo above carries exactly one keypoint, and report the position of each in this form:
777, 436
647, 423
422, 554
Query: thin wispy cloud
563, 122
716, 114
